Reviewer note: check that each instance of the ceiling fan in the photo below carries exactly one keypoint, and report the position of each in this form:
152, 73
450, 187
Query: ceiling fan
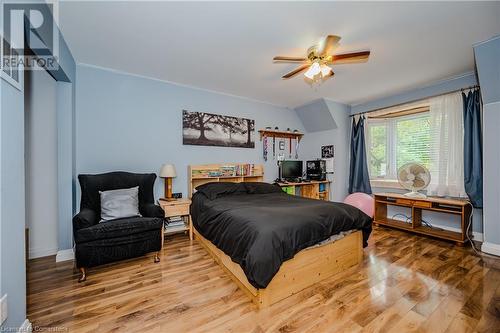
319, 57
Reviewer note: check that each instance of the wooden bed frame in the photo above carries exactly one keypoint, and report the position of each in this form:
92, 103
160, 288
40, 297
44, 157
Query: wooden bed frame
308, 267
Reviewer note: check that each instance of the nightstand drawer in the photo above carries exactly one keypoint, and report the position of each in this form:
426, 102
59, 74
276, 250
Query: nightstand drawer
176, 210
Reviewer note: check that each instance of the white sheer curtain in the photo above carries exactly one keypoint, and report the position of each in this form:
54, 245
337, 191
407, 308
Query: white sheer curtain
447, 146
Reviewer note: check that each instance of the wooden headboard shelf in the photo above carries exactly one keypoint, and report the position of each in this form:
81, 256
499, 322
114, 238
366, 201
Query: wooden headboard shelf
226, 172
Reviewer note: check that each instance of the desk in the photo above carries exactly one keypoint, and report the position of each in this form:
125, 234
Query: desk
314, 189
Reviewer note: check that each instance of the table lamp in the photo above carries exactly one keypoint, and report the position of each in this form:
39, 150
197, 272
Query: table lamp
167, 171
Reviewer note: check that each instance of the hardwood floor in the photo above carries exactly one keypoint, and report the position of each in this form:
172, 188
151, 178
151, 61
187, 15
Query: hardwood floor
406, 283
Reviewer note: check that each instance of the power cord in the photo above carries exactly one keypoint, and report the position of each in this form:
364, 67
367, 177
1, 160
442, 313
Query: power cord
408, 220
467, 232
428, 224
478, 252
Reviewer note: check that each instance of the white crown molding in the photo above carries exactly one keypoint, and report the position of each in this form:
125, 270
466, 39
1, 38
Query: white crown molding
486, 41
493, 103
26, 327
491, 248
422, 87
117, 71
65, 255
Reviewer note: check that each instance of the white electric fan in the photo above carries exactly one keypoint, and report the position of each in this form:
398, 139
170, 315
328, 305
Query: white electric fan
414, 177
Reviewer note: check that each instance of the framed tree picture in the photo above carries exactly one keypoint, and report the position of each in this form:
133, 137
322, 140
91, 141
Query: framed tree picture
207, 129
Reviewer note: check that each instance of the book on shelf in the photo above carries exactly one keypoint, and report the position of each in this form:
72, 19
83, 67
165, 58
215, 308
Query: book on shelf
173, 224
177, 222
233, 170
175, 229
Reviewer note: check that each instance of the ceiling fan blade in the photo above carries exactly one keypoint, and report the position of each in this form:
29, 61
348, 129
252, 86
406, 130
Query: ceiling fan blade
289, 59
349, 58
327, 44
296, 71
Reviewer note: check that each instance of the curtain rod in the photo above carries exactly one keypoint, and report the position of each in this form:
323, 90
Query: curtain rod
461, 89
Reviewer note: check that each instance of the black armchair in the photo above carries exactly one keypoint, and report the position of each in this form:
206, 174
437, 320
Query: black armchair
100, 243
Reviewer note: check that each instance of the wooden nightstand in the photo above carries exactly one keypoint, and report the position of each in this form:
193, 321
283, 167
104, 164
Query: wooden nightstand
178, 208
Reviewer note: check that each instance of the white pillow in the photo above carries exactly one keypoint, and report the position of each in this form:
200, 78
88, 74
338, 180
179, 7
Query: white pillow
120, 203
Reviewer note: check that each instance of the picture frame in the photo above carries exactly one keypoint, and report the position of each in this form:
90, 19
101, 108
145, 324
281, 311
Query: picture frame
208, 129
327, 151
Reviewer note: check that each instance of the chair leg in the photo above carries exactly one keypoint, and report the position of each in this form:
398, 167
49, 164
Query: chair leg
157, 257
83, 274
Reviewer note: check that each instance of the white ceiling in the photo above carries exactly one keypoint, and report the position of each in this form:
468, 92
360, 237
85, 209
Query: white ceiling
228, 47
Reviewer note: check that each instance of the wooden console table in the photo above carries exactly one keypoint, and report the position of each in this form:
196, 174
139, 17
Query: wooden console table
458, 207
314, 189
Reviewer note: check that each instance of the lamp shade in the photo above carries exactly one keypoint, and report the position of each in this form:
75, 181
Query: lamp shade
168, 171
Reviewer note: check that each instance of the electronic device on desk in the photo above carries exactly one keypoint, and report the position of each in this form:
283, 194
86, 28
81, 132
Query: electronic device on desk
290, 171
316, 170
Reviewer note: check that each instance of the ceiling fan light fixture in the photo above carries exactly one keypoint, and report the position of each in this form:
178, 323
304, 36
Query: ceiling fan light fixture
314, 65
325, 70
314, 70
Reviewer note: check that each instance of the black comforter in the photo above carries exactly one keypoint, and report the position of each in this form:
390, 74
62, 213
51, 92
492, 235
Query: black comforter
259, 226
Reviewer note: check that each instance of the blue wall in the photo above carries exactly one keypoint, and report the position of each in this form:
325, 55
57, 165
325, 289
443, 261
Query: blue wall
126, 122
12, 192
66, 106
66, 77
65, 128
316, 116
487, 56
66, 188
12, 218
339, 136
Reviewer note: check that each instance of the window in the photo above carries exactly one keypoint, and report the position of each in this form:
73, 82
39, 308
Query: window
396, 140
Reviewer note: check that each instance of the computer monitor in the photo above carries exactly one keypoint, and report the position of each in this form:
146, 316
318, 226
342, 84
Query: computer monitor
316, 170
291, 169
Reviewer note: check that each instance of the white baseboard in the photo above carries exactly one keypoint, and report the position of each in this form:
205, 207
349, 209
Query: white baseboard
477, 236
26, 327
491, 248
38, 253
64, 255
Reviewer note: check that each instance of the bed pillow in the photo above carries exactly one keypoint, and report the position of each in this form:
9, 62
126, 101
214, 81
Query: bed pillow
120, 203
216, 190
262, 188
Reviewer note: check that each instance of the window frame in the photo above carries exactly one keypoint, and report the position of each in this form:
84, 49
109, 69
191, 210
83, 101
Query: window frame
390, 179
